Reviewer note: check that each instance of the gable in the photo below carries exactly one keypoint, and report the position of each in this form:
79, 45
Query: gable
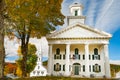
78, 31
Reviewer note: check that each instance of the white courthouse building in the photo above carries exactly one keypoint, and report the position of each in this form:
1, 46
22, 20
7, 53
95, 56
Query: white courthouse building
78, 49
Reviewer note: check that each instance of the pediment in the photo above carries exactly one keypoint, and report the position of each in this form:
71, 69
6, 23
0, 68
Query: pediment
78, 31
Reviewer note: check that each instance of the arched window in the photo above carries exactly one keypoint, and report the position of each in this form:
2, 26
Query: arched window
57, 67
58, 51
96, 51
76, 51
96, 68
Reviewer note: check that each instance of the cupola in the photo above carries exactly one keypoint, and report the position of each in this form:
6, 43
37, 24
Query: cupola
76, 14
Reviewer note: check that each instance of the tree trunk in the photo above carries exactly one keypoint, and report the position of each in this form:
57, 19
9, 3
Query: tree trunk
2, 51
24, 49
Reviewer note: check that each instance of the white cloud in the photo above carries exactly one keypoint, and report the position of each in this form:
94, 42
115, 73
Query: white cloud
117, 62
102, 14
11, 47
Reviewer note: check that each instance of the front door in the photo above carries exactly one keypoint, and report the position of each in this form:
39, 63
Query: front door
76, 70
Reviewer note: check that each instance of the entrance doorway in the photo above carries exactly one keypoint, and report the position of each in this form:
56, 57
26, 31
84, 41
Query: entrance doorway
76, 68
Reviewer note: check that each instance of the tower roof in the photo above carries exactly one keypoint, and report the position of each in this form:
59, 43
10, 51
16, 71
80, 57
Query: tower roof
76, 5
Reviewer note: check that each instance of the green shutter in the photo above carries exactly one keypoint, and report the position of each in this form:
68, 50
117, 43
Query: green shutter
60, 67
54, 56
79, 56
54, 67
83, 57
60, 56
93, 68
90, 68
93, 57
83, 68
99, 57
63, 67
63, 56
99, 68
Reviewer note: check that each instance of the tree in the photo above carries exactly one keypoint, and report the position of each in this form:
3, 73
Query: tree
32, 18
2, 51
10, 68
31, 59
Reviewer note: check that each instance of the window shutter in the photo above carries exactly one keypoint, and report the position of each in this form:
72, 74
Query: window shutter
54, 67
54, 56
63, 67
83, 68
60, 67
93, 68
60, 56
99, 68
93, 57
99, 57
79, 57
90, 68
83, 57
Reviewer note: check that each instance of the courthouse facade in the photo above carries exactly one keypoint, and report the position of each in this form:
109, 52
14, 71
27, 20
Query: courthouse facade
78, 49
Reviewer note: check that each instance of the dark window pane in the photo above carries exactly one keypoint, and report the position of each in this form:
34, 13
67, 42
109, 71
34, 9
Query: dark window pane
96, 51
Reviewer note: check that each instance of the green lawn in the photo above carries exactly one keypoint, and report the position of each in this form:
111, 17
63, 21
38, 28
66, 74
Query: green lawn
61, 78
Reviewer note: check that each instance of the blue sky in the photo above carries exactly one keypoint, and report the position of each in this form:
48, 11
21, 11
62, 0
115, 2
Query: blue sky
103, 15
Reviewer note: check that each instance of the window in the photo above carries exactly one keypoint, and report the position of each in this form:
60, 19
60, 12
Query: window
63, 56
42, 72
57, 55
76, 12
38, 72
96, 56
96, 68
83, 68
57, 51
76, 51
33, 72
76, 56
57, 67
95, 51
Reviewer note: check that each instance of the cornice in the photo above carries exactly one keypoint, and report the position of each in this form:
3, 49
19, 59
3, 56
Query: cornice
82, 38
76, 17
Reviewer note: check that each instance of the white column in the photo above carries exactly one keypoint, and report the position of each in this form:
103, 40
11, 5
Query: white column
87, 60
50, 68
67, 60
107, 65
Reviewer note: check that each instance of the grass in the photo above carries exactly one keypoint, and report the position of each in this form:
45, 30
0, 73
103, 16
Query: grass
62, 78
